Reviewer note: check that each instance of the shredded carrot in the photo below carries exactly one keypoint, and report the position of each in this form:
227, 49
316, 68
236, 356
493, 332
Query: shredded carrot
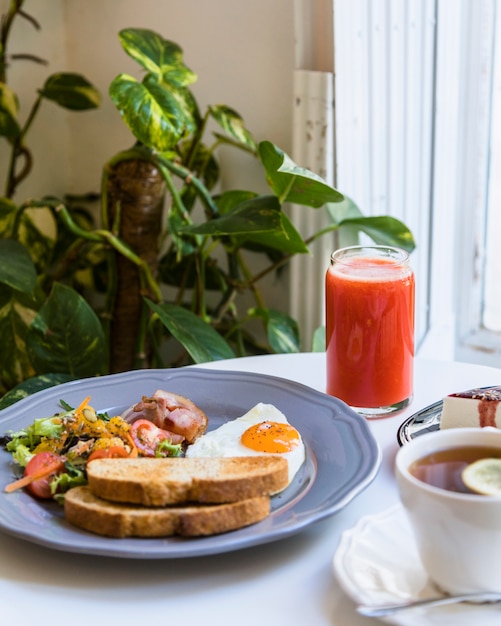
27, 480
81, 407
133, 448
19, 484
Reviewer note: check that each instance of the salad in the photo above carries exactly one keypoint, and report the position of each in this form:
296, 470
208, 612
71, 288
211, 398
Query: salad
53, 452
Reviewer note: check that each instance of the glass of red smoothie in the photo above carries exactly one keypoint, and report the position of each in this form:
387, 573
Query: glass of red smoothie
369, 298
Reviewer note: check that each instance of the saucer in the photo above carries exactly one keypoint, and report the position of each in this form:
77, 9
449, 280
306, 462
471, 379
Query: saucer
377, 562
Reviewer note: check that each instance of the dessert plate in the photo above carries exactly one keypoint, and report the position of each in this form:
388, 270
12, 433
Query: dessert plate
425, 421
342, 457
377, 563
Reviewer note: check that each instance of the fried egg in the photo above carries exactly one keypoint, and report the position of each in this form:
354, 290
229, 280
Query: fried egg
262, 430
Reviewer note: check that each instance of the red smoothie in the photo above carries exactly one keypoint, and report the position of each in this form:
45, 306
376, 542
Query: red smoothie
370, 331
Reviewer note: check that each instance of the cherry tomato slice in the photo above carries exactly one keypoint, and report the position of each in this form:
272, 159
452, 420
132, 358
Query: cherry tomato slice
147, 436
46, 465
108, 453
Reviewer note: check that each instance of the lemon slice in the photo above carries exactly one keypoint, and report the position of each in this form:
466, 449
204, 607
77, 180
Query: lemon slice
483, 476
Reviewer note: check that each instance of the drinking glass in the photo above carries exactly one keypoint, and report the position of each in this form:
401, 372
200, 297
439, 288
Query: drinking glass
369, 296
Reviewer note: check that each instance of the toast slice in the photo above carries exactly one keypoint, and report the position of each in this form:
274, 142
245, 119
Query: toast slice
168, 481
89, 512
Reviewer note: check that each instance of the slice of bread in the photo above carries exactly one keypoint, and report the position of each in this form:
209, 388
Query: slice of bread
87, 511
167, 481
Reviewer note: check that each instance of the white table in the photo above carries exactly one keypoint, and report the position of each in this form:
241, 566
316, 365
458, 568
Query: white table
287, 583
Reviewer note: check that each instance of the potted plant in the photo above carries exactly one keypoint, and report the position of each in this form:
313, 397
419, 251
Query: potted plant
159, 281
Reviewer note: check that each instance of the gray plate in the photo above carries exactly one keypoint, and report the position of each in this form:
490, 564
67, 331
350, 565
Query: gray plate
342, 457
425, 421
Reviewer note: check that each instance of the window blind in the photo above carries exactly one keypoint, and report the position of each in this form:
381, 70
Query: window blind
383, 128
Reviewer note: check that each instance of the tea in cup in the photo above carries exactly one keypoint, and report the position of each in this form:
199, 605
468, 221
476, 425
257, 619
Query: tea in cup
457, 530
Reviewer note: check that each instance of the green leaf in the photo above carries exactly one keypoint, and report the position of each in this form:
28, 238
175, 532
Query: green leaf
291, 183
38, 234
181, 246
234, 143
183, 272
345, 209
202, 163
200, 340
384, 230
318, 343
286, 239
15, 365
157, 55
282, 330
66, 336
9, 107
255, 219
256, 215
160, 110
157, 117
31, 386
71, 91
16, 267
228, 200
8, 212
233, 124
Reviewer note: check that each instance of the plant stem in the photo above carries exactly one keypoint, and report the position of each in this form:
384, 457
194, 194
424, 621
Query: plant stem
18, 149
226, 302
189, 178
105, 236
201, 307
287, 257
7, 20
196, 141
284, 195
250, 281
176, 198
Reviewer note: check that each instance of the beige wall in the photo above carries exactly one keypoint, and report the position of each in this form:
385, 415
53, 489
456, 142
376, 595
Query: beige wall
48, 137
242, 51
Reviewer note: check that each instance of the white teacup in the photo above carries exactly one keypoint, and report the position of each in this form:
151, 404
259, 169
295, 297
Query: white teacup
458, 534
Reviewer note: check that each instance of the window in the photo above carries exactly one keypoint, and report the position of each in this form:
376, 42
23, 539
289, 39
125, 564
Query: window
385, 71
479, 304
467, 122
417, 126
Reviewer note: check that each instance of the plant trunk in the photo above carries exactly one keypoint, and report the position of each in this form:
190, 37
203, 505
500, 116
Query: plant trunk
136, 188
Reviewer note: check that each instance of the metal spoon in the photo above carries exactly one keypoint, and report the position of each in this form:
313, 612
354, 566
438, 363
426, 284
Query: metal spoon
389, 609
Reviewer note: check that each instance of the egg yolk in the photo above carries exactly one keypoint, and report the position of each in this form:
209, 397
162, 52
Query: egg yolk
271, 437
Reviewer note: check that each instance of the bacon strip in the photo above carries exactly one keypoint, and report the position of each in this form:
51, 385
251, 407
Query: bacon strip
171, 412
